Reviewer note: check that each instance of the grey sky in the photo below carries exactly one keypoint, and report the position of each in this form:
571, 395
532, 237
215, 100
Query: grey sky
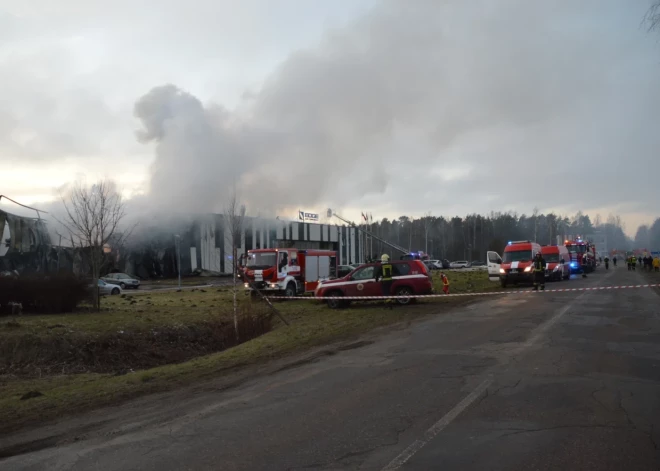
390, 106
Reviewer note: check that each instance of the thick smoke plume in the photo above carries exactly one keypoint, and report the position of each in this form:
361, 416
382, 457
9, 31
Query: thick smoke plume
450, 89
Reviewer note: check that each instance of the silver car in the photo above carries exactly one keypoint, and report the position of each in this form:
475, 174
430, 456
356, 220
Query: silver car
122, 280
106, 289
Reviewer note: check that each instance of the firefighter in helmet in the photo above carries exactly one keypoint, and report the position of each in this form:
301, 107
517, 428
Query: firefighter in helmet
539, 272
384, 275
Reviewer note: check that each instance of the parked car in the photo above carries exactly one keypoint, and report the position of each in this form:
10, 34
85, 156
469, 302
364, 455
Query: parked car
343, 270
460, 264
106, 289
479, 264
122, 280
409, 277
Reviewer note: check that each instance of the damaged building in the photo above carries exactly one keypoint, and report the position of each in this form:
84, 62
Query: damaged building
206, 248
26, 247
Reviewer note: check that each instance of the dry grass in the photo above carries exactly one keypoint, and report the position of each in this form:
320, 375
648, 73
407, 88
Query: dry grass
312, 324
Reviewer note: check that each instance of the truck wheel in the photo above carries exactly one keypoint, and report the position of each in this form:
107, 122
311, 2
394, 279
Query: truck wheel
290, 290
335, 303
404, 291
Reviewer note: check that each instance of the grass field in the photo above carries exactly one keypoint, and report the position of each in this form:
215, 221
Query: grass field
312, 324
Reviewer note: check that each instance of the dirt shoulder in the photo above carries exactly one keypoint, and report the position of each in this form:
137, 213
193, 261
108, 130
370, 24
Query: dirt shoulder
33, 401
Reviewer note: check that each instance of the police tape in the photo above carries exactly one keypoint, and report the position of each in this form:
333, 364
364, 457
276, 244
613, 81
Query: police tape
481, 293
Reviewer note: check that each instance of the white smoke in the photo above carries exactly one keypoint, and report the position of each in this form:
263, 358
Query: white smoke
454, 85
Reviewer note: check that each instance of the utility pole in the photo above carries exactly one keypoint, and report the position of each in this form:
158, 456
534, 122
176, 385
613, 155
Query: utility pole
177, 239
474, 236
371, 227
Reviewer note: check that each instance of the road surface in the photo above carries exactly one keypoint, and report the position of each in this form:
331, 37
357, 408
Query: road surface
566, 381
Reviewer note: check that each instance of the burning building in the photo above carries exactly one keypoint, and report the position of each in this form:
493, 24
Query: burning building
205, 246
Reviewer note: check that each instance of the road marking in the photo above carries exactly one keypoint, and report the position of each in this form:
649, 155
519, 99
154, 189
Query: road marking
437, 427
447, 419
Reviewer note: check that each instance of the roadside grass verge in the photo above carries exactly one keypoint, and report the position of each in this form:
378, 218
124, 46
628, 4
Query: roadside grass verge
25, 401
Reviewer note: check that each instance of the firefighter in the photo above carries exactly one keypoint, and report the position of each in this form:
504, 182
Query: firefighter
614, 261
633, 262
539, 272
445, 283
629, 261
607, 262
656, 263
384, 275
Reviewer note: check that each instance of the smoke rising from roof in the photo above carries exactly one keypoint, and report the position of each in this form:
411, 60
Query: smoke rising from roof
483, 90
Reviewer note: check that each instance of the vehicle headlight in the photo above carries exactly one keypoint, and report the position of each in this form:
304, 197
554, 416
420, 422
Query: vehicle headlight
528, 269
557, 268
247, 285
502, 270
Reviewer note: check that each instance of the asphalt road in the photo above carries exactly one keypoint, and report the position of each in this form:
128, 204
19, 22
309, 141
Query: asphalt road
566, 381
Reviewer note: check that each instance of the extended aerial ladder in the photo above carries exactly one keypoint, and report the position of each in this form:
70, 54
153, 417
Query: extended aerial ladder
381, 240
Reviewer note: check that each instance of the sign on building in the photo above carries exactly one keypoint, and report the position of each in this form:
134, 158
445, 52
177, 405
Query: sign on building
307, 217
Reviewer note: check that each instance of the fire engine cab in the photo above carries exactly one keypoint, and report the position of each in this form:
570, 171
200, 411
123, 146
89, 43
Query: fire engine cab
287, 271
583, 255
516, 266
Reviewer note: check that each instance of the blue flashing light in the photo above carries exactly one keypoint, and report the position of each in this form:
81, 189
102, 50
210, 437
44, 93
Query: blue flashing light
509, 243
573, 264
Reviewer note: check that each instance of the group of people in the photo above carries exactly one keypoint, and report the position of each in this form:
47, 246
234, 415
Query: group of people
646, 263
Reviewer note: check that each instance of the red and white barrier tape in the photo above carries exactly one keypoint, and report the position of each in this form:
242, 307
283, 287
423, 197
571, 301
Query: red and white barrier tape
483, 293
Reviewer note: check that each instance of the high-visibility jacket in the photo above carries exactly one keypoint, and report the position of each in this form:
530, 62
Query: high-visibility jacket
633, 260
385, 272
539, 264
656, 262
445, 280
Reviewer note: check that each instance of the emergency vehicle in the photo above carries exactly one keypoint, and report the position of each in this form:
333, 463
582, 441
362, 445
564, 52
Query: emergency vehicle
516, 266
558, 262
287, 271
415, 256
583, 255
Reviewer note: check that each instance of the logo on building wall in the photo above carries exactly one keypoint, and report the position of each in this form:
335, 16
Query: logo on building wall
311, 217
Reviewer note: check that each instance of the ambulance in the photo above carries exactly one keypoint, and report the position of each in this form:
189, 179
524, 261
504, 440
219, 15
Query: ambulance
516, 265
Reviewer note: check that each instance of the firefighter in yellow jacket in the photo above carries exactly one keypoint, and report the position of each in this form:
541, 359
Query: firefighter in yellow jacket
656, 263
539, 272
384, 275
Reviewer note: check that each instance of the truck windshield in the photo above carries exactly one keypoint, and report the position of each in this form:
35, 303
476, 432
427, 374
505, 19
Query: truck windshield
551, 257
517, 256
261, 260
577, 248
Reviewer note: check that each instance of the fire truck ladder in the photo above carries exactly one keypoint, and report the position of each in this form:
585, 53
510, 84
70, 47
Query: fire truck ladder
352, 224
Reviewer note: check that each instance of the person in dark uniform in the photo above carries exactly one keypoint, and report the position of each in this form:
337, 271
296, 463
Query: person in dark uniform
384, 275
539, 272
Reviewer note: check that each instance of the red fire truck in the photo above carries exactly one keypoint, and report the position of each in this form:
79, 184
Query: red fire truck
287, 271
583, 255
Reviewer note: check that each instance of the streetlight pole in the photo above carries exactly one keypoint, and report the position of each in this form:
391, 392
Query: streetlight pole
177, 238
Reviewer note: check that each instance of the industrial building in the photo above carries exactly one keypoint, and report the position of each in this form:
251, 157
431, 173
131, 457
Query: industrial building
599, 239
205, 246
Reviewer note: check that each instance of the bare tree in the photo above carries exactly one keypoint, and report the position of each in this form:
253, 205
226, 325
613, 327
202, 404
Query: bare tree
234, 217
652, 17
93, 215
598, 221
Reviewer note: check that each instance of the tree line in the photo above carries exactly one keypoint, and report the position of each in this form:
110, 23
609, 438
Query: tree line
648, 236
469, 237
